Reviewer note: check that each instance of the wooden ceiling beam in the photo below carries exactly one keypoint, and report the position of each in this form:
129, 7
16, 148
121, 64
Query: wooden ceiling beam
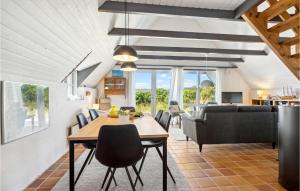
199, 50
244, 7
209, 59
186, 35
208, 68
143, 8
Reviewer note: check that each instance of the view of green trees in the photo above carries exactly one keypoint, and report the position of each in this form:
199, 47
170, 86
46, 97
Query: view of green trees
29, 96
143, 97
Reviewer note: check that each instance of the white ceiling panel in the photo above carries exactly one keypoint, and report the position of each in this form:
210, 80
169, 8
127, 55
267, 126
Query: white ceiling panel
45, 39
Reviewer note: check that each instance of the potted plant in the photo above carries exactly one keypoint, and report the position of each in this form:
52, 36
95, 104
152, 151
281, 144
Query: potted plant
124, 116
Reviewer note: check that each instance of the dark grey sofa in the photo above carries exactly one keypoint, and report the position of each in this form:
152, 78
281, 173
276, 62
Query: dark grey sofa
232, 124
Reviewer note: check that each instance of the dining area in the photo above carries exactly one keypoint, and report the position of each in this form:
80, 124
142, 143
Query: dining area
120, 145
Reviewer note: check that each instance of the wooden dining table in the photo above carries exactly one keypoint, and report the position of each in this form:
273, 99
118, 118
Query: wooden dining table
147, 127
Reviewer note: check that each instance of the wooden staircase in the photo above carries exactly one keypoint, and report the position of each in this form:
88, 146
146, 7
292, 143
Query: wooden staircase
288, 50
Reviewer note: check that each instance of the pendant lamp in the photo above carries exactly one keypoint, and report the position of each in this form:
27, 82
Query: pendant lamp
128, 67
125, 53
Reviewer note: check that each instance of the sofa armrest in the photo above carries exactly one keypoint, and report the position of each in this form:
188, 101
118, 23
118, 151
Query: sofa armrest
192, 126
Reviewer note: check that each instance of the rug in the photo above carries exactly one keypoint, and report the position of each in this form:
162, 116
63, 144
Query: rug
92, 177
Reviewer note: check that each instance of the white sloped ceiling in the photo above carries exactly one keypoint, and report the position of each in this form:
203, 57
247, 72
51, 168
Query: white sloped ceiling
45, 39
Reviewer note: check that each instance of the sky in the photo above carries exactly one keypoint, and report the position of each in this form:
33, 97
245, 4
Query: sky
163, 79
143, 80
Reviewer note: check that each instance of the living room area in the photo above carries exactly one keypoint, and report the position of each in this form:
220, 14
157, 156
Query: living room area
123, 95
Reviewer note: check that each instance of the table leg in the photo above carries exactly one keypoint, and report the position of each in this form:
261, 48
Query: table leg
165, 165
71, 162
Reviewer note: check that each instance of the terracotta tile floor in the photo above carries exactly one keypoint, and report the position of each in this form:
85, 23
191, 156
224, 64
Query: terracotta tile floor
219, 167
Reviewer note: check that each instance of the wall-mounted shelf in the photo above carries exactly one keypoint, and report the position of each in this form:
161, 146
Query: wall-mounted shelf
115, 86
275, 102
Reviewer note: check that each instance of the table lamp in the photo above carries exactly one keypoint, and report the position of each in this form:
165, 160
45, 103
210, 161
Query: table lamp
259, 93
96, 106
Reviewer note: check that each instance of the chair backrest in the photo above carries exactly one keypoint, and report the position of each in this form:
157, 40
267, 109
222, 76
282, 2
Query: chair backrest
158, 115
165, 120
81, 119
129, 108
93, 114
173, 102
119, 145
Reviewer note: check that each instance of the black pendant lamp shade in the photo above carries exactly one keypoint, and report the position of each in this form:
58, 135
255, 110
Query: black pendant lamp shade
128, 66
206, 83
125, 54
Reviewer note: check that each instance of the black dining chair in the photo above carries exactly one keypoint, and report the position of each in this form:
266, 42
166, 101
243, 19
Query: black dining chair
129, 108
93, 114
165, 123
158, 115
82, 121
119, 146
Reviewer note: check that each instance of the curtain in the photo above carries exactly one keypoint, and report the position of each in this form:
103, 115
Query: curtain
219, 73
131, 89
176, 90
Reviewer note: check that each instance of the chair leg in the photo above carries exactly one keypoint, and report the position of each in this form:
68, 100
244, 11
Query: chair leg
140, 168
187, 138
84, 164
110, 179
130, 180
160, 155
273, 145
92, 156
137, 175
105, 178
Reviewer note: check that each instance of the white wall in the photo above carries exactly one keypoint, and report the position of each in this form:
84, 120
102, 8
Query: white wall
23, 160
232, 81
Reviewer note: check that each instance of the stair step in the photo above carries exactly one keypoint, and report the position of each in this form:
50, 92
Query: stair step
291, 41
297, 56
290, 23
277, 8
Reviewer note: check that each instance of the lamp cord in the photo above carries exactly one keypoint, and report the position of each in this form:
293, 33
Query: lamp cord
126, 15
206, 62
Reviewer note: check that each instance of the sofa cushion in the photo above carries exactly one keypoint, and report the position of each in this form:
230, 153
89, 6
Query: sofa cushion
263, 108
217, 109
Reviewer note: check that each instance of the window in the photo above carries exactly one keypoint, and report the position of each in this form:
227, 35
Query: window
190, 84
198, 88
72, 86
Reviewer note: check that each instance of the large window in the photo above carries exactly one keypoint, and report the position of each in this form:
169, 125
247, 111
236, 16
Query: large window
152, 90
143, 95
190, 84
198, 88
163, 83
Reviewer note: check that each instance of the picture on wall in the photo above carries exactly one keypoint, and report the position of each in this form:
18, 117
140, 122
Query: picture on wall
25, 109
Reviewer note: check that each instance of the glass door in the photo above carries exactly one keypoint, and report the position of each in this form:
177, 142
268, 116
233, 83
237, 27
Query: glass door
152, 90
199, 88
163, 86
143, 91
